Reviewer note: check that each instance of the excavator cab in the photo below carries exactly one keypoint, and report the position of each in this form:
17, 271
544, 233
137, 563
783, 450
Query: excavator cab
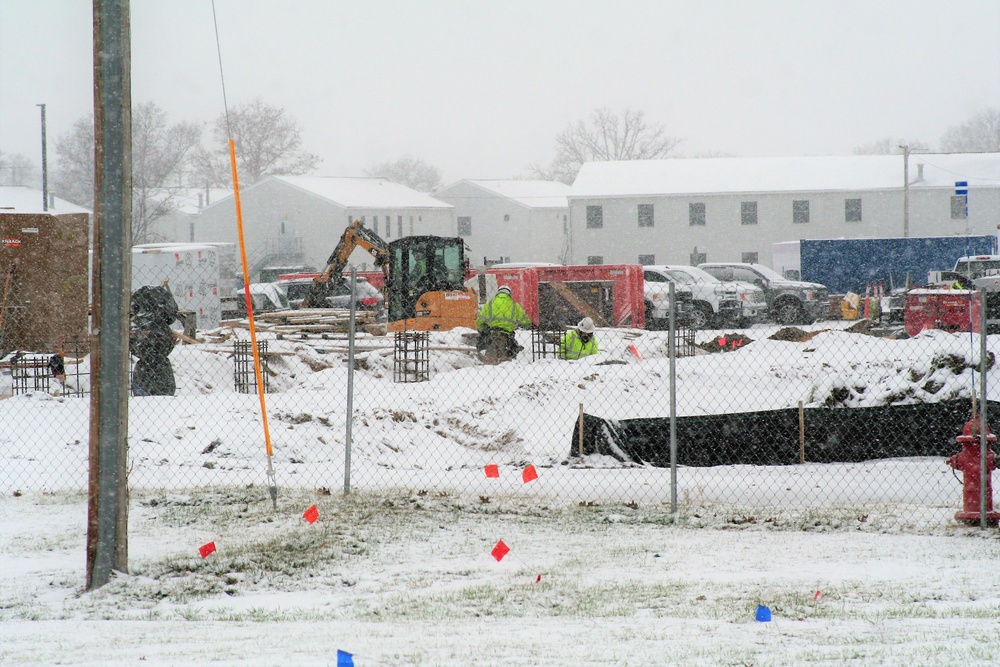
424, 286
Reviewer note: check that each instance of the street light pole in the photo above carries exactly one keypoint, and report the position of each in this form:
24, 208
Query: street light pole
906, 191
45, 165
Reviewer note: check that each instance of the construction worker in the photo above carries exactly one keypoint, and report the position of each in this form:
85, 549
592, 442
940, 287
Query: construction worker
579, 342
498, 318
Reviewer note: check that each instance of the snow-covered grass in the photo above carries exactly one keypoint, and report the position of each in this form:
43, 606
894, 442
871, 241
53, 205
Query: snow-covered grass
399, 572
409, 580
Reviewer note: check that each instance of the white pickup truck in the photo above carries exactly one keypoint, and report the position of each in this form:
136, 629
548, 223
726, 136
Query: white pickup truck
714, 303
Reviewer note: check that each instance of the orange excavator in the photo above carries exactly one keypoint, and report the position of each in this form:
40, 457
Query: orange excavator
424, 279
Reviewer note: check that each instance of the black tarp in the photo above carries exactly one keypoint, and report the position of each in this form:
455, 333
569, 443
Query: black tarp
832, 435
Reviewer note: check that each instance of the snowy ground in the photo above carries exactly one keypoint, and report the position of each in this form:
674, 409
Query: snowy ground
410, 581
400, 572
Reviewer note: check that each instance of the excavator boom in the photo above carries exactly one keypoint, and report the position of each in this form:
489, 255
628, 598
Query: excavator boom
355, 236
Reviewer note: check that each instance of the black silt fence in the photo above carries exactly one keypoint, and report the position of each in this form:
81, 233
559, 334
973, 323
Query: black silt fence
832, 435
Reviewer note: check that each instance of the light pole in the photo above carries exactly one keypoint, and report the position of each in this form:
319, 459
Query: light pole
45, 166
906, 191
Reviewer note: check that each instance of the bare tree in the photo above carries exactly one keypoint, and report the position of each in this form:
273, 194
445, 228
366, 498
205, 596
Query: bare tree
889, 146
73, 179
981, 133
408, 171
607, 137
18, 169
267, 143
160, 155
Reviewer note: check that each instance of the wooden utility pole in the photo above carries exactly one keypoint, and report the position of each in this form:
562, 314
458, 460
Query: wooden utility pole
107, 507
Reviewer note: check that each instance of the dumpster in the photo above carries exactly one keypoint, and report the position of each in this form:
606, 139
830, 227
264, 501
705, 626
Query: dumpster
945, 309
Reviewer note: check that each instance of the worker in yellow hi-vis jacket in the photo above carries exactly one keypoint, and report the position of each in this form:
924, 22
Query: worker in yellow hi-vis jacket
498, 319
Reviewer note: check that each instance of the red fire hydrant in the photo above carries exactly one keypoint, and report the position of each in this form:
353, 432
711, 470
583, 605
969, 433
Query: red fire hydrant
967, 461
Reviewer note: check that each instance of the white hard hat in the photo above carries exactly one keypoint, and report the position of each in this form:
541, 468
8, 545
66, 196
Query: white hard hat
586, 325
505, 290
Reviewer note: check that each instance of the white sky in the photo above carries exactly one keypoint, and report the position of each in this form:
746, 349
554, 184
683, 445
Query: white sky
481, 89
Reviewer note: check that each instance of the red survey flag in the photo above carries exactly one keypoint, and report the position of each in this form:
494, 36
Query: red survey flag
492, 470
722, 341
634, 351
529, 474
206, 549
538, 579
500, 550
816, 596
311, 514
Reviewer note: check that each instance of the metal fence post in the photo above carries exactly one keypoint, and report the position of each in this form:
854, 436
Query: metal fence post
983, 447
350, 380
672, 353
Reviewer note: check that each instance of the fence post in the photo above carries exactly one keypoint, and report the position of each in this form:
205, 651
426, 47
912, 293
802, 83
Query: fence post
983, 447
672, 353
802, 433
350, 380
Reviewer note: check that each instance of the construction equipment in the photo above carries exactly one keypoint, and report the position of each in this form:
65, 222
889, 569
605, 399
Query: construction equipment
424, 279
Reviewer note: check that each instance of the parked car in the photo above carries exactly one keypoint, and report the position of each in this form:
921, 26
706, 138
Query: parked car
656, 293
714, 303
788, 301
367, 297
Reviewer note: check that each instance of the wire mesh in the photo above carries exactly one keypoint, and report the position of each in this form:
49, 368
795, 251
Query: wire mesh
880, 410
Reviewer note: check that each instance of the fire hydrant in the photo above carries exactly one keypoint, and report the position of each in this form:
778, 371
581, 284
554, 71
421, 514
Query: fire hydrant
968, 461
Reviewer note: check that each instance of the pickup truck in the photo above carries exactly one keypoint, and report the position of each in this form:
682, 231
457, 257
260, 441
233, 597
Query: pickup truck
714, 303
788, 301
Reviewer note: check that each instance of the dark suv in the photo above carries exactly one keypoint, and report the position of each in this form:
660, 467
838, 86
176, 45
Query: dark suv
788, 301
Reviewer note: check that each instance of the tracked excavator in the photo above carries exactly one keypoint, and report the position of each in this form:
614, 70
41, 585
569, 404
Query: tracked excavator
424, 279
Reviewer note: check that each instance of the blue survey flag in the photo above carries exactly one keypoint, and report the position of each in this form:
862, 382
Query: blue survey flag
763, 613
344, 659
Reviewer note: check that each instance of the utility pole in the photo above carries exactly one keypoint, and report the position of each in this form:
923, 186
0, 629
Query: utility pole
107, 503
45, 167
906, 191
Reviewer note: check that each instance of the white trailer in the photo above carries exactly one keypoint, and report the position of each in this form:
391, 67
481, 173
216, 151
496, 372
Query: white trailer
191, 270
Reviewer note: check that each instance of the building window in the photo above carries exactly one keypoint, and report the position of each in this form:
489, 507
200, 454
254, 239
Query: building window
595, 217
748, 213
959, 207
399, 225
852, 210
800, 211
374, 224
595, 259
411, 225
749, 258
646, 260
565, 224
464, 225
698, 258
388, 226
645, 215
696, 214
506, 217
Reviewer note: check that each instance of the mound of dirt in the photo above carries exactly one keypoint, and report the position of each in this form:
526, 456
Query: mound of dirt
727, 342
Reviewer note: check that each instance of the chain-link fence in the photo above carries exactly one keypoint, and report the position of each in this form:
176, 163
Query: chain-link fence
762, 418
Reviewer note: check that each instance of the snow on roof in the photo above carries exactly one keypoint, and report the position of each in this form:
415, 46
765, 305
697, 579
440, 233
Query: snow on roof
784, 174
362, 192
20, 199
533, 194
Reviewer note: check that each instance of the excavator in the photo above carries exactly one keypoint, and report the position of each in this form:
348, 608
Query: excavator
424, 279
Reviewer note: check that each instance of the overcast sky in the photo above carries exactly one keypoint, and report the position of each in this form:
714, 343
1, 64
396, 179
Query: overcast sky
480, 88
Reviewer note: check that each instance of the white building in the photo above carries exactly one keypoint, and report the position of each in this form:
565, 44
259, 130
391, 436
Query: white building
732, 209
183, 207
298, 220
511, 220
